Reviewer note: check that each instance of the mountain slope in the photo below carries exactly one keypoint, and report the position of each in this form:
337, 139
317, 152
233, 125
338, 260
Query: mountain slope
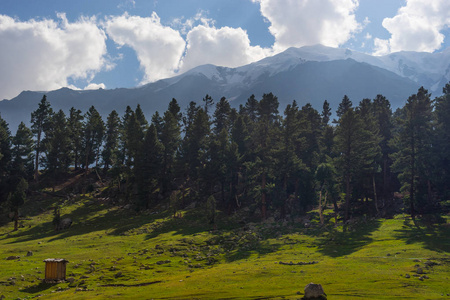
308, 74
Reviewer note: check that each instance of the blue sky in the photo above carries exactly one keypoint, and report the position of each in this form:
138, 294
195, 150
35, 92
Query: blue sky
123, 43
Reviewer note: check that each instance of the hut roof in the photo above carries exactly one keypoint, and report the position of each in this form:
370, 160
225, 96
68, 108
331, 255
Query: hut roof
56, 260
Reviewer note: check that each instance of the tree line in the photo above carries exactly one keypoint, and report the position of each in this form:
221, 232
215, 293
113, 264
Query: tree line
252, 156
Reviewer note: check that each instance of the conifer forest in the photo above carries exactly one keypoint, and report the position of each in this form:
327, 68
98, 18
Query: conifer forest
278, 162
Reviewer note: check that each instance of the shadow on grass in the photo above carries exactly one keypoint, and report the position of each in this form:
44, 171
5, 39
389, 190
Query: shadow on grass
434, 235
345, 239
40, 287
87, 219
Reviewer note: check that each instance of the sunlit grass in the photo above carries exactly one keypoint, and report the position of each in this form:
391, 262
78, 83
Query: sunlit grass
117, 253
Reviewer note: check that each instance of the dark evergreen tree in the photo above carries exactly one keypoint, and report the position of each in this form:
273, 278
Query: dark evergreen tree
170, 138
442, 143
39, 122
413, 145
57, 146
350, 144
222, 116
110, 151
17, 199
75, 128
5, 160
93, 136
22, 153
208, 101
148, 169
344, 106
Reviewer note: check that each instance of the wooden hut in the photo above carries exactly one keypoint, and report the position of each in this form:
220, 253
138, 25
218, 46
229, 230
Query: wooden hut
55, 269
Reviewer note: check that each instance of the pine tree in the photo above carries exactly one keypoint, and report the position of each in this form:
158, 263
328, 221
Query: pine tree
40, 119
413, 144
344, 106
17, 199
148, 169
93, 137
222, 116
208, 102
22, 152
75, 126
57, 146
170, 138
383, 118
349, 142
5, 159
110, 151
442, 142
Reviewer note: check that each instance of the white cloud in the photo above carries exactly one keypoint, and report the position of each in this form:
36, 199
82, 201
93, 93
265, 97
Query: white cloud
158, 48
43, 54
416, 27
95, 86
224, 46
306, 22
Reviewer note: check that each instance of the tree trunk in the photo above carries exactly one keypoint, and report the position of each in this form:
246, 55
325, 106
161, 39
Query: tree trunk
36, 170
16, 219
375, 199
320, 208
347, 196
263, 196
413, 175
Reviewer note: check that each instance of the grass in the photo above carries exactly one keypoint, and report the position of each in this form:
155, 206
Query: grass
116, 253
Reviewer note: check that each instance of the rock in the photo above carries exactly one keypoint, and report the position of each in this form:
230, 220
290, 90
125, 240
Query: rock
407, 276
12, 257
419, 271
119, 274
314, 291
65, 223
29, 253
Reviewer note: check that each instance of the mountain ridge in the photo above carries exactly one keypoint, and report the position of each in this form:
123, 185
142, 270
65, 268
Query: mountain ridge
308, 74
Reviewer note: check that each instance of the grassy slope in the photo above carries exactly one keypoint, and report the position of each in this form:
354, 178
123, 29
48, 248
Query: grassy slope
367, 260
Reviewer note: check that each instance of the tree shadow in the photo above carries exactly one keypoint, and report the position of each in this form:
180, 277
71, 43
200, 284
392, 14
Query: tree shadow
345, 239
86, 218
432, 232
37, 288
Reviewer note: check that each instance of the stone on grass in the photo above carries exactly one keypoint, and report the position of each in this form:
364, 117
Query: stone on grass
12, 257
314, 291
29, 253
407, 276
419, 271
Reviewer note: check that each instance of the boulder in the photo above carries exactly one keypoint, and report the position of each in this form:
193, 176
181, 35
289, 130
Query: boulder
65, 223
314, 291
29, 253
12, 257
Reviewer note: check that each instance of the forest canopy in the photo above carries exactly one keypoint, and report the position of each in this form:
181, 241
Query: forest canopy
277, 163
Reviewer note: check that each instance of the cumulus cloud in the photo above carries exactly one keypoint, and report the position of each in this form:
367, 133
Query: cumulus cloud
224, 46
43, 54
158, 48
95, 86
305, 22
416, 27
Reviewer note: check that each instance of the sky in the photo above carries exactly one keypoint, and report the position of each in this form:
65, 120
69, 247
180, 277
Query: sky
91, 44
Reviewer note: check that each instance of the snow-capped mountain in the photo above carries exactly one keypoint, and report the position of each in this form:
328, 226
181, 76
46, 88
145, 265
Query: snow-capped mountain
308, 74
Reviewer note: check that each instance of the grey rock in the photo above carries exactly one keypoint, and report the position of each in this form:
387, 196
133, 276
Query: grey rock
407, 276
12, 257
314, 291
29, 253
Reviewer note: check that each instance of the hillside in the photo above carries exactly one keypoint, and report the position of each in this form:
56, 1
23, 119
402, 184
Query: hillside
114, 252
307, 75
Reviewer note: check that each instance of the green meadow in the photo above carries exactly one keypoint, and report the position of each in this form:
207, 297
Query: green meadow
117, 253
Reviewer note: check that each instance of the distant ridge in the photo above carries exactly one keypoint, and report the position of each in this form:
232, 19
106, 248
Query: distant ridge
308, 74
